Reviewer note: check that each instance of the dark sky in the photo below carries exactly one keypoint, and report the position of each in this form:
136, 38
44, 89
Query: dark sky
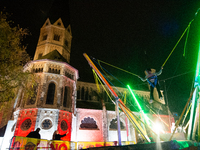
130, 34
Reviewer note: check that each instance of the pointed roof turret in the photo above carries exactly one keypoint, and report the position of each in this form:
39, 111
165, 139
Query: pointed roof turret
47, 23
59, 23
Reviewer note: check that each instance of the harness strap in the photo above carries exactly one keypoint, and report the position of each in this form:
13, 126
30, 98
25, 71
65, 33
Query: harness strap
155, 81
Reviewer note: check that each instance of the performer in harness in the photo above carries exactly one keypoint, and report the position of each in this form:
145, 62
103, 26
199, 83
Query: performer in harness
152, 79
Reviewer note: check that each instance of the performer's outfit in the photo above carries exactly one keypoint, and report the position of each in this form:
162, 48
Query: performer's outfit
152, 79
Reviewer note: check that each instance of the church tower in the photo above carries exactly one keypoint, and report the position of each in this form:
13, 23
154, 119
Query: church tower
54, 37
53, 106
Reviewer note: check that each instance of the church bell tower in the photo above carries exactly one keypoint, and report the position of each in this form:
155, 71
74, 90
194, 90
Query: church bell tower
53, 105
54, 37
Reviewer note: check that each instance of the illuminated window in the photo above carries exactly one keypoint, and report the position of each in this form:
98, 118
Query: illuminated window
113, 125
64, 125
50, 95
56, 37
46, 124
88, 124
26, 124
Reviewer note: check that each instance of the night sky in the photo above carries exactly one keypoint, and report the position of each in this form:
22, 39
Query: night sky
130, 34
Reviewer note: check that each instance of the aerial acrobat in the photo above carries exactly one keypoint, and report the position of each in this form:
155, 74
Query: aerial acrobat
152, 79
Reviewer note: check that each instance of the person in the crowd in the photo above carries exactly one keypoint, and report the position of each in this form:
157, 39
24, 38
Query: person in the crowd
34, 134
57, 136
152, 79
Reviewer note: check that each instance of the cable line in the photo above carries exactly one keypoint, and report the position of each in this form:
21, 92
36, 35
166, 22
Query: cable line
118, 68
188, 27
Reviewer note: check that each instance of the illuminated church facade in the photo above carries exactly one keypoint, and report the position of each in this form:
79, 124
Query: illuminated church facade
60, 99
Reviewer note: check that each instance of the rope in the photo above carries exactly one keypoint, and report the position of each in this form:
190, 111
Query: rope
103, 87
177, 43
110, 74
96, 81
113, 85
186, 39
118, 68
177, 123
158, 116
178, 75
101, 67
186, 114
174, 74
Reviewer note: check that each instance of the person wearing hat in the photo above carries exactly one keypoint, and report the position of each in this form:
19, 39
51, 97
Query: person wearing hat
152, 78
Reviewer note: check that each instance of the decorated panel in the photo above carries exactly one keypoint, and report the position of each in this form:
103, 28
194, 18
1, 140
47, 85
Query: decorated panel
26, 122
89, 125
64, 124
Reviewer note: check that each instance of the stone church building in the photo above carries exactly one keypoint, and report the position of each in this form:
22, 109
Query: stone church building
63, 103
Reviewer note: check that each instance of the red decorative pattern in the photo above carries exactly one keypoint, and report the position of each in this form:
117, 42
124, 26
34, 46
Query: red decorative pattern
67, 117
23, 115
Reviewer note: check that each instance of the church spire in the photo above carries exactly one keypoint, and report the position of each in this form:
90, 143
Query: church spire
54, 37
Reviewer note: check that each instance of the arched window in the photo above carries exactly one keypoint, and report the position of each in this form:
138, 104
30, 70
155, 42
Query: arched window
82, 93
113, 125
44, 37
56, 37
90, 94
65, 97
86, 94
78, 93
50, 94
88, 124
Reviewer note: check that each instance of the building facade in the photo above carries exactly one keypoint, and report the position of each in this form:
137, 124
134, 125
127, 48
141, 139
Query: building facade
63, 103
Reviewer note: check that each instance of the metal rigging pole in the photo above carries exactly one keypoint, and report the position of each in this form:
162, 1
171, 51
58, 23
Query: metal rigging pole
194, 114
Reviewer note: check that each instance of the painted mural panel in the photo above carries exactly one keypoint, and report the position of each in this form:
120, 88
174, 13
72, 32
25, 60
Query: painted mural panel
64, 124
25, 122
